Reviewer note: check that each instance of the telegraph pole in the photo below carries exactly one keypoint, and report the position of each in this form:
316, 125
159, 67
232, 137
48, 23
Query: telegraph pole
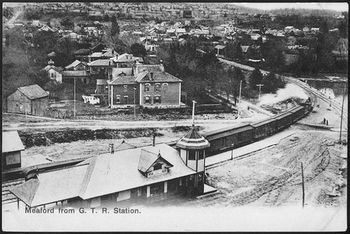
259, 85
240, 91
74, 97
302, 184
134, 103
193, 107
341, 115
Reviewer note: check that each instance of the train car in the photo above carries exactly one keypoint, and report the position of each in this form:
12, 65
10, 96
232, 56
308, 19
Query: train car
264, 128
229, 138
283, 121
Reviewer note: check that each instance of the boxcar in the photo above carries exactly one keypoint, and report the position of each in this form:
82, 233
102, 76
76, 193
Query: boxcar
228, 138
264, 128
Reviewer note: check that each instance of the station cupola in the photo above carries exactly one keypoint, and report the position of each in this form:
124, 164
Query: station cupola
192, 149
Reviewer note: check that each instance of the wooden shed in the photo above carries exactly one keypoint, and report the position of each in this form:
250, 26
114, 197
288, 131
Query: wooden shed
11, 149
32, 100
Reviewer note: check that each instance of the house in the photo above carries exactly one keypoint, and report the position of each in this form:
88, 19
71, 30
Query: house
82, 54
147, 86
12, 147
30, 99
68, 76
76, 66
132, 174
220, 49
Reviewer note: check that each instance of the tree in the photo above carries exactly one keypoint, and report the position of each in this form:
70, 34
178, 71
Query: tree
138, 50
234, 50
115, 27
255, 78
67, 22
272, 83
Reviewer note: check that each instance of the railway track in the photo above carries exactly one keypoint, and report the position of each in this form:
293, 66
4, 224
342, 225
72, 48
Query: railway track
336, 106
8, 197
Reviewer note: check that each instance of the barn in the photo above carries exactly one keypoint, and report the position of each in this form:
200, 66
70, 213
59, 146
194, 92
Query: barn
32, 100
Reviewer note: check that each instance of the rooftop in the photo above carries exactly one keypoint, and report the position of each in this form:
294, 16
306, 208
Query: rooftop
33, 91
11, 142
101, 175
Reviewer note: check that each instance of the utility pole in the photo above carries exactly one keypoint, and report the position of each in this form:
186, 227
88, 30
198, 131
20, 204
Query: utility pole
74, 97
259, 85
193, 107
134, 103
302, 184
232, 151
240, 91
341, 115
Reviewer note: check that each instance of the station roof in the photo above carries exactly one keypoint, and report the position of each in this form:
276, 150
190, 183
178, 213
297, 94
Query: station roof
11, 142
101, 175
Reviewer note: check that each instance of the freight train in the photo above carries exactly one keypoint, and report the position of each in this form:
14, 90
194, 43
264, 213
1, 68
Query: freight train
228, 138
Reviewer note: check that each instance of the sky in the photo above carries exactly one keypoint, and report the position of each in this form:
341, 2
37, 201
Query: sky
337, 6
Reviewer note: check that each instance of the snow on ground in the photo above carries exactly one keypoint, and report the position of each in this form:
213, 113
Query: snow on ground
272, 177
291, 90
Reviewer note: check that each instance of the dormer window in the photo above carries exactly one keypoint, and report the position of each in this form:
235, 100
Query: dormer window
153, 164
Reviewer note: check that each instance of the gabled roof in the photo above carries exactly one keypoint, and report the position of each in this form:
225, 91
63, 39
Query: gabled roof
101, 63
149, 67
122, 80
144, 77
33, 91
220, 47
119, 171
73, 64
124, 146
11, 142
82, 52
147, 159
51, 186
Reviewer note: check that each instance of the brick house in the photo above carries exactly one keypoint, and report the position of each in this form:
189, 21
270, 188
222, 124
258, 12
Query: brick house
32, 100
149, 86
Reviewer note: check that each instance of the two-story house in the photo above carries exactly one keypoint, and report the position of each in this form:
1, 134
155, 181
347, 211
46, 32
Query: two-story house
147, 86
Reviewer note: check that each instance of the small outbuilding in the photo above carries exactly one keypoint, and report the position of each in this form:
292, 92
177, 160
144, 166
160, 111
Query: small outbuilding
11, 150
32, 100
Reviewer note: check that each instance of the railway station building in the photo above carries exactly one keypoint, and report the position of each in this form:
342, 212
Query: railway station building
148, 173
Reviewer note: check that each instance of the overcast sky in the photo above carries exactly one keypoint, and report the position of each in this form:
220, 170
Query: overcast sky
268, 6
309, 5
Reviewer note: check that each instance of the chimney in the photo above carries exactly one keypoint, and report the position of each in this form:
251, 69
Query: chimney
111, 148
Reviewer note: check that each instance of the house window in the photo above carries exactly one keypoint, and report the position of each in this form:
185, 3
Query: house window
125, 88
51, 75
191, 155
157, 99
147, 87
125, 99
200, 154
147, 100
117, 99
165, 86
158, 166
157, 87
